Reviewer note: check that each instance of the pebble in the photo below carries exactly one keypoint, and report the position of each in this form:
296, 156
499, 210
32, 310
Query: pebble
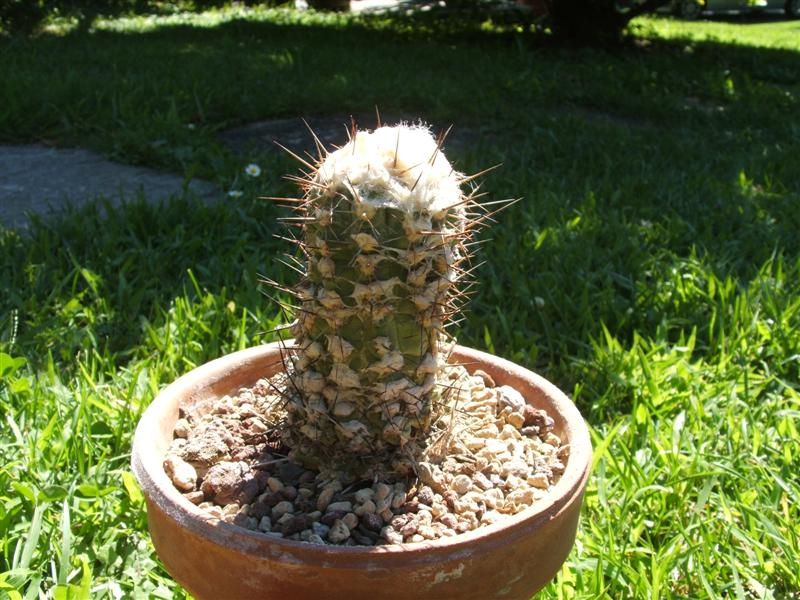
461, 484
487, 379
367, 507
351, 520
229, 482
274, 484
372, 521
182, 428
390, 535
343, 506
363, 495
246, 522
183, 475
539, 480
325, 498
431, 475
330, 517
339, 532
281, 508
425, 495
506, 459
482, 481
265, 524
512, 398
382, 490
195, 497
516, 420
295, 524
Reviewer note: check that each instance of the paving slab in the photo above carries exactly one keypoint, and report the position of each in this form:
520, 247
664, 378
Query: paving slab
41, 179
331, 131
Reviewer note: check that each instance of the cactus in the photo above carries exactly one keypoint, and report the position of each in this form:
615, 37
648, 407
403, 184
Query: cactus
384, 224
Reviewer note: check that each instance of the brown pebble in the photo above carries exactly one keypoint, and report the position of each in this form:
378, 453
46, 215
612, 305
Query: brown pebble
330, 517
246, 453
288, 493
372, 521
306, 478
538, 418
425, 495
487, 379
563, 453
409, 528
296, 524
398, 521
181, 429
228, 482
450, 498
259, 509
339, 532
207, 449
324, 498
195, 497
351, 520
361, 539
290, 473
449, 520
411, 506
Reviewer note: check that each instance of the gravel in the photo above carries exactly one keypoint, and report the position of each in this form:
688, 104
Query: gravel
498, 457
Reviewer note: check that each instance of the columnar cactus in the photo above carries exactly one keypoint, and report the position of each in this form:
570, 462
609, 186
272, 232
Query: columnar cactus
383, 222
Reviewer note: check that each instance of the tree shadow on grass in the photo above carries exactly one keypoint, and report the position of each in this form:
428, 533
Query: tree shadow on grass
653, 183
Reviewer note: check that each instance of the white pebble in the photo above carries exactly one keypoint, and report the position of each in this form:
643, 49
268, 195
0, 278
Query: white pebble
183, 475
339, 532
390, 535
511, 397
461, 484
516, 420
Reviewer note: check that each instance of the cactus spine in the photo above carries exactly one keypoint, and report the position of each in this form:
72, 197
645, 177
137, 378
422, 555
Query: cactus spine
383, 224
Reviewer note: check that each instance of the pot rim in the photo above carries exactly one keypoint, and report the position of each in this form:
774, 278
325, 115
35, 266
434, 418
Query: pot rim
147, 460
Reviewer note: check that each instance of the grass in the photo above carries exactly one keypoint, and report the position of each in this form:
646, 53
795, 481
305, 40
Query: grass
652, 271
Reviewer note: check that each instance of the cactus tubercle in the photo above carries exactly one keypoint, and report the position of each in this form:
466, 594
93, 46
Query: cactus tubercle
384, 223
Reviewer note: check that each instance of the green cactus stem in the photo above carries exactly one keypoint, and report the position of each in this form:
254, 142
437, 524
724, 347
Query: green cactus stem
384, 224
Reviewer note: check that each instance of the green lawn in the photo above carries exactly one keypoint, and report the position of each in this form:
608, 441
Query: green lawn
652, 270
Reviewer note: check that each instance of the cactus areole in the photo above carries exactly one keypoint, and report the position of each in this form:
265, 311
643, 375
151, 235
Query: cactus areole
384, 222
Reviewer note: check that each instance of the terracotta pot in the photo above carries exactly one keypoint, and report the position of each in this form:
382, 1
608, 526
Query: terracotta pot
215, 560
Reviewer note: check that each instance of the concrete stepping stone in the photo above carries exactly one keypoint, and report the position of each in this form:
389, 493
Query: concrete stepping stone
331, 131
41, 179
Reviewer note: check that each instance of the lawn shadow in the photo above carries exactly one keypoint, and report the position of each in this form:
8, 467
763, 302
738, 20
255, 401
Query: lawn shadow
569, 125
